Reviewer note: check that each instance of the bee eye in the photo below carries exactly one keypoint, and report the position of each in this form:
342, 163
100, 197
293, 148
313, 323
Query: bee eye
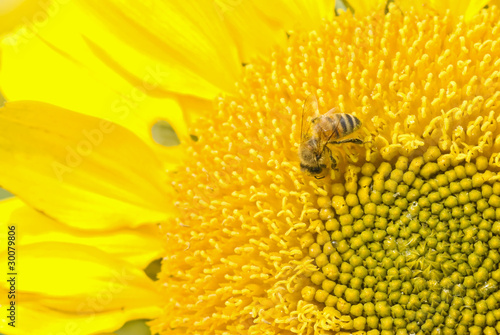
316, 169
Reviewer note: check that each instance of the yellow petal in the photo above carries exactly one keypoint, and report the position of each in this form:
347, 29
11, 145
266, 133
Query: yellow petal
474, 7
258, 26
63, 286
297, 14
139, 246
467, 8
14, 13
85, 85
182, 35
80, 170
40, 320
366, 7
75, 62
248, 29
186, 42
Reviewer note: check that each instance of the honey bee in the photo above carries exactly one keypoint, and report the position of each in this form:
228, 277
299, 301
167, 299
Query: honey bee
318, 130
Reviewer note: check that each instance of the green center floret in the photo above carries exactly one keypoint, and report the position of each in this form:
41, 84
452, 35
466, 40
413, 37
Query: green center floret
412, 248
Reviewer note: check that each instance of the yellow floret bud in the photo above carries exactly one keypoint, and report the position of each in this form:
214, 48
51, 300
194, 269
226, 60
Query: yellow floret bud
324, 202
340, 205
429, 170
481, 163
432, 154
338, 189
416, 164
308, 293
368, 169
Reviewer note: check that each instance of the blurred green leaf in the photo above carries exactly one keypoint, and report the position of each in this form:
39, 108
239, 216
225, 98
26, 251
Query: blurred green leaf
164, 134
153, 268
339, 4
5, 194
136, 327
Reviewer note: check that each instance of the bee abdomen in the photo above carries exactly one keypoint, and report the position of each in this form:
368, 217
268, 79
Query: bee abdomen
348, 123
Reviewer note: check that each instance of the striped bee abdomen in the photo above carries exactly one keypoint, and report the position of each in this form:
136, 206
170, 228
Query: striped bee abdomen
344, 124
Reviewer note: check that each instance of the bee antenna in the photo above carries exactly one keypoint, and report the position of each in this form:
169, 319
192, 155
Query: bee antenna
302, 119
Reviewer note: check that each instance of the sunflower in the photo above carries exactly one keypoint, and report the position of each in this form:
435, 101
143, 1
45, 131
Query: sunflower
401, 235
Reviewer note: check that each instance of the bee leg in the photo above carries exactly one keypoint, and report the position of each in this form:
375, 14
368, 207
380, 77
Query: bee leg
333, 161
334, 164
349, 140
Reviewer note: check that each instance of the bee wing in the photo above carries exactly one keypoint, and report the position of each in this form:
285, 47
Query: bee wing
336, 128
310, 110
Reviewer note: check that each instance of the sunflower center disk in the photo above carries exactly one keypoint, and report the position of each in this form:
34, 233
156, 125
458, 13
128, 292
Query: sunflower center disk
413, 247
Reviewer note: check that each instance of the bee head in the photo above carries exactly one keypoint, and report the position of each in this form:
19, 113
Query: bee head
313, 170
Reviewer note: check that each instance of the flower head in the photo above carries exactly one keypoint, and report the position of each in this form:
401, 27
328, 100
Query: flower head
400, 237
